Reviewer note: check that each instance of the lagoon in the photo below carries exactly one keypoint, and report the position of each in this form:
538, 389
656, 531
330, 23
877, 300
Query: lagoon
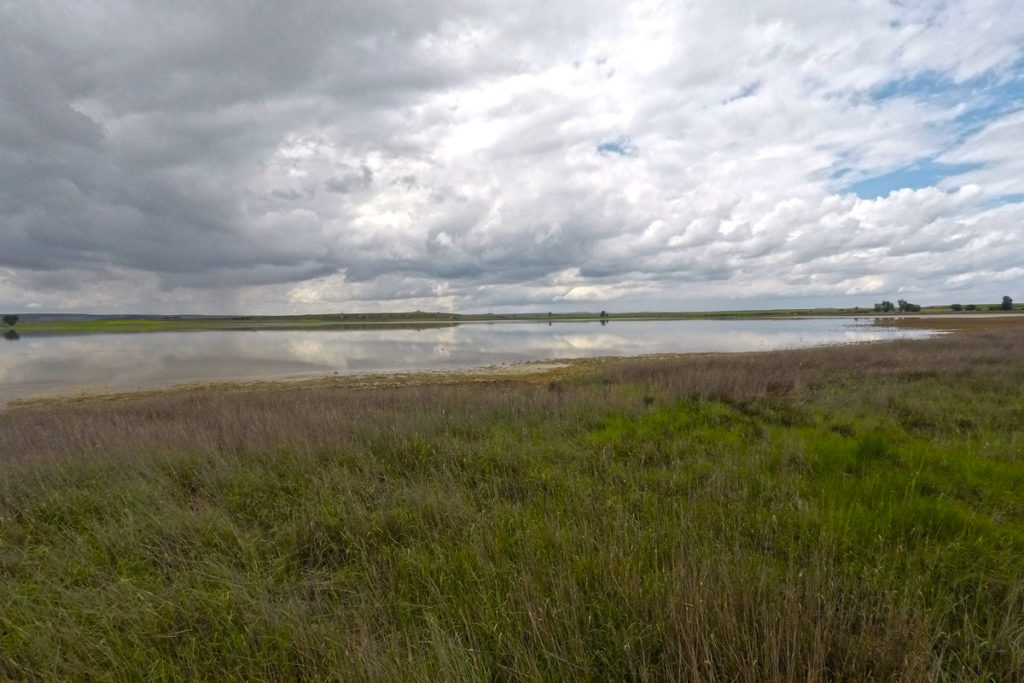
52, 365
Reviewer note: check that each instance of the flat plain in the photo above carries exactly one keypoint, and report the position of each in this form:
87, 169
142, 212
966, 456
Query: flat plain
838, 513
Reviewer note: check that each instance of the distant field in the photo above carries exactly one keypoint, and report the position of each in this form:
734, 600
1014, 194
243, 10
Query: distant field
839, 513
418, 319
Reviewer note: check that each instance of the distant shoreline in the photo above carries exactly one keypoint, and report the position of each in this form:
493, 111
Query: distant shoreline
426, 320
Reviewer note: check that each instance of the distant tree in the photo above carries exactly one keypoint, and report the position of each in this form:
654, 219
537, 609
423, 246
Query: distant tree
970, 307
1007, 303
604, 314
907, 307
957, 307
10, 319
884, 307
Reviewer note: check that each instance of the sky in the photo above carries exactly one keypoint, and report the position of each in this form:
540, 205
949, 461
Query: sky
304, 157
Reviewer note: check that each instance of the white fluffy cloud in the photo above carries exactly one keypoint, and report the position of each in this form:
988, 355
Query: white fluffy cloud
313, 156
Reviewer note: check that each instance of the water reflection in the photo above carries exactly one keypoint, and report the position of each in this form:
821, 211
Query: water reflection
12, 335
58, 364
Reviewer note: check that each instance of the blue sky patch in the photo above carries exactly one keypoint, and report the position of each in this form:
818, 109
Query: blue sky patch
976, 102
982, 99
621, 146
997, 100
923, 85
922, 174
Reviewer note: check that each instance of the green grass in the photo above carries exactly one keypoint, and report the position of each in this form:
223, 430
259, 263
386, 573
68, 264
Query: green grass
826, 514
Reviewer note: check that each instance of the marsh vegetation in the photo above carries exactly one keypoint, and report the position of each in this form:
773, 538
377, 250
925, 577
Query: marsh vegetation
840, 513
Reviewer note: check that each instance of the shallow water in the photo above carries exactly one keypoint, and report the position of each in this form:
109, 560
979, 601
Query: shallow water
64, 364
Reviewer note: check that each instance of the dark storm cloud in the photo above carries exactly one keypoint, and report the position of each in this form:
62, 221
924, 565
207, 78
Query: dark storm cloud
349, 182
187, 99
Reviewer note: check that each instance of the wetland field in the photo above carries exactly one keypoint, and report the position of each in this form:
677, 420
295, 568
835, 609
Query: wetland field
850, 512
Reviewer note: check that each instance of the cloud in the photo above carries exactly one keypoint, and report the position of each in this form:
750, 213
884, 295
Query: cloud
197, 157
992, 156
350, 181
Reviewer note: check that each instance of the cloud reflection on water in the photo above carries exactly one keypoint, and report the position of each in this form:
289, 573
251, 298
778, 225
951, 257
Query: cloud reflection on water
60, 364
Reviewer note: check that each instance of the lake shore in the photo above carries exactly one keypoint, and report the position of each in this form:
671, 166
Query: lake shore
47, 367
527, 371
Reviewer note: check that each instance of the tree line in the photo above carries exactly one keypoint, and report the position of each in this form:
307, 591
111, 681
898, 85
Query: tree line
905, 306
